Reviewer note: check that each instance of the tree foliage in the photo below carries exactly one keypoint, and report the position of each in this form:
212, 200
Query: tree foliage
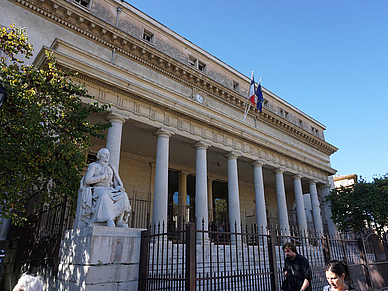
361, 207
45, 133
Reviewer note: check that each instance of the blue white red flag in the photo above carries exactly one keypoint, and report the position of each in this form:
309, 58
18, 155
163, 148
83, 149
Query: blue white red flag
252, 95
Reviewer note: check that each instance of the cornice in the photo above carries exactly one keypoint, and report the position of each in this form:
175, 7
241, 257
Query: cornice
82, 22
191, 118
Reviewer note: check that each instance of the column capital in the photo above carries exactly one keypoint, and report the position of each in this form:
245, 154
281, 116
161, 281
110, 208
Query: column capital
258, 163
183, 173
201, 144
163, 132
280, 170
297, 176
313, 181
116, 117
232, 155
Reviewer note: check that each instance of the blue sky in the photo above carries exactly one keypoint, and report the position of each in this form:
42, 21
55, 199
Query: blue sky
327, 58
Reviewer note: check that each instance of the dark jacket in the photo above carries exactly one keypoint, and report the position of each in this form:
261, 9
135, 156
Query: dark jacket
298, 270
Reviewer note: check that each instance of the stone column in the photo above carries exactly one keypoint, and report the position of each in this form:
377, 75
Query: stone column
201, 207
261, 215
233, 193
161, 179
315, 206
300, 209
113, 140
327, 207
282, 203
210, 197
182, 197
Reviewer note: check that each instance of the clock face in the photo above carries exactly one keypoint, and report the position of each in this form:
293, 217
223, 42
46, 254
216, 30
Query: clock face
199, 98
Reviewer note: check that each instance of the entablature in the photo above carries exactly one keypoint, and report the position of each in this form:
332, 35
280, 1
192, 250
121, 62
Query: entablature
81, 21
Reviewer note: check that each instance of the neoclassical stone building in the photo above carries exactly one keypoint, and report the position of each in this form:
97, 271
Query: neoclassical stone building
177, 132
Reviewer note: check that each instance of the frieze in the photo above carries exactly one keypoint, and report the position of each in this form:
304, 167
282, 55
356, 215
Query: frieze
83, 22
142, 107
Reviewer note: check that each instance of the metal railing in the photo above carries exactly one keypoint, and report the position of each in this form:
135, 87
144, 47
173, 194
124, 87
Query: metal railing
40, 238
192, 259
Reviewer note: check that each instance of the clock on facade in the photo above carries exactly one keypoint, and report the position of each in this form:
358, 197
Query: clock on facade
199, 98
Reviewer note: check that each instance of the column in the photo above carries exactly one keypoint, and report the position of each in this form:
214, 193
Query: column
300, 209
210, 197
282, 203
113, 140
315, 206
161, 179
182, 198
261, 215
233, 193
327, 208
201, 208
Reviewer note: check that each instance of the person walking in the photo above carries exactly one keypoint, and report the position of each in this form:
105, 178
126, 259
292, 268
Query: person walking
297, 271
337, 274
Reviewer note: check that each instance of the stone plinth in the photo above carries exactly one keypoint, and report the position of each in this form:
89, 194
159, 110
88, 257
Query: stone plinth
99, 258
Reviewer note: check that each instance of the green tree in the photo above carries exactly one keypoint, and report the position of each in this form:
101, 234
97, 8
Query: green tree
361, 207
45, 133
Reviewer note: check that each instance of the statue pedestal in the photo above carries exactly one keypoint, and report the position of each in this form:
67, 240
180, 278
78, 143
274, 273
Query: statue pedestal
99, 258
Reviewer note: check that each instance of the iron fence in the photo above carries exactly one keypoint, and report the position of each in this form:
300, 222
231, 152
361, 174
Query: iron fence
39, 239
192, 259
140, 212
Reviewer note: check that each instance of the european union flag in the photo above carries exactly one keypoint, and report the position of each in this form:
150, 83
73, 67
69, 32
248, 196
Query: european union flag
260, 98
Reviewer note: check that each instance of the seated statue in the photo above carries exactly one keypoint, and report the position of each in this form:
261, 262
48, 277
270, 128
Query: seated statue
102, 197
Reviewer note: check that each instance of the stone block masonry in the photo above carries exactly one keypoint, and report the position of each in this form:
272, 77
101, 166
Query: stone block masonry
99, 258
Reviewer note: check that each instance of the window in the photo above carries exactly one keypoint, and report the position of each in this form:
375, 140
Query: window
148, 36
84, 3
236, 86
192, 62
201, 66
197, 64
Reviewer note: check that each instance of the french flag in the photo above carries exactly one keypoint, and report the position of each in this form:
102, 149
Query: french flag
252, 95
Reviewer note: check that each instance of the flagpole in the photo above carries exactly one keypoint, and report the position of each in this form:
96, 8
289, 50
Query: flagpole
246, 111
249, 107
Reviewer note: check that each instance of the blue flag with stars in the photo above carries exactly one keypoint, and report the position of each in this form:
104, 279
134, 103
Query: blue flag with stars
260, 98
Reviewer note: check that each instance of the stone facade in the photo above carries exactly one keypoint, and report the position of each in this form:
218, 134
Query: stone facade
84, 266
168, 96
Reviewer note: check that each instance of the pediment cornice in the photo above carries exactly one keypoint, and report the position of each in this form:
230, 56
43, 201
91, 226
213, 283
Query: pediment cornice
82, 22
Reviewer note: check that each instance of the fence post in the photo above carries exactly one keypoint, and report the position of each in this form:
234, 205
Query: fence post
133, 212
59, 236
190, 257
143, 263
326, 248
272, 261
364, 260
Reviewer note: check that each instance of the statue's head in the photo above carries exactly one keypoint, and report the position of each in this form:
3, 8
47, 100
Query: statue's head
103, 154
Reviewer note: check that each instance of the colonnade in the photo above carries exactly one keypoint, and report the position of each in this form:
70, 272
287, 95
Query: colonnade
203, 193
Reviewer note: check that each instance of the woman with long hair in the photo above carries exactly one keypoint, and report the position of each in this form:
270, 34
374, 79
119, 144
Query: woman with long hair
338, 276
